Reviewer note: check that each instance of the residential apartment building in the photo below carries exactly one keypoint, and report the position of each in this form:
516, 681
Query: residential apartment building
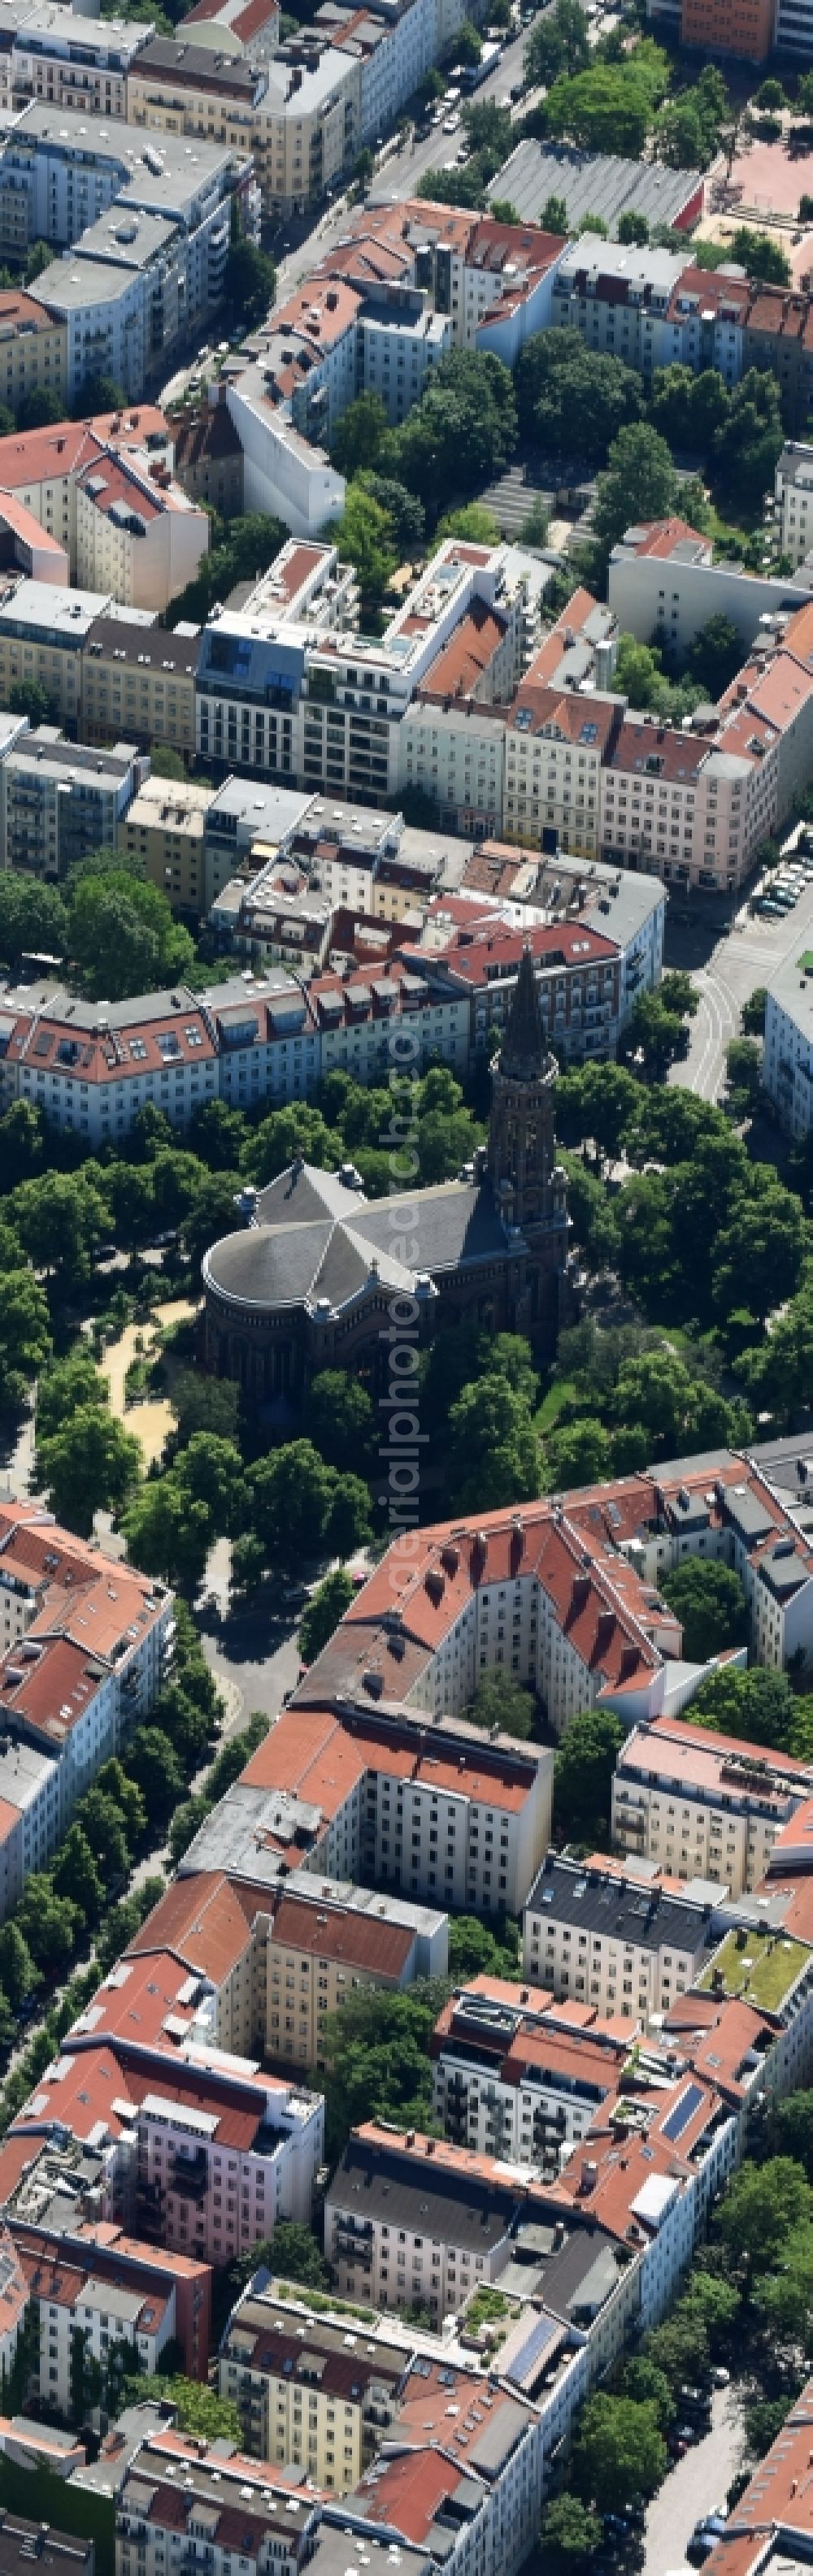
209, 457
174, 2490
55, 53
555, 747
463, 1824
43, 630
163, 830
563, 1595
82, 1658
150, 237
101, 2285
618, 297
135, 539
776, 687
701, 1806
198, 2151
787, 1056
59, 800
271, 1953
311, 2401
692, 806
32, 350
328, 712
793, 504
664, 582
46, 469
136, 677
512, 2079
624, 1945
92, 1066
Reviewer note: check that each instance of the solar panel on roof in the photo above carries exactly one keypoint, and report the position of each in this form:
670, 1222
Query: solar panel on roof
683, 2112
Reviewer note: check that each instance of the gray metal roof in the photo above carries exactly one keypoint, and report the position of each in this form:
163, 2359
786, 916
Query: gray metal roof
592, 185
619, 1909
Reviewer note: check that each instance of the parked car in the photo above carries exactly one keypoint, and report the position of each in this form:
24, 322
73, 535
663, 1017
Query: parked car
720, 2378
294, 1596
451, 123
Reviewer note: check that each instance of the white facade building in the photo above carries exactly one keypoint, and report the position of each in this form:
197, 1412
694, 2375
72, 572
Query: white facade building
787, 1057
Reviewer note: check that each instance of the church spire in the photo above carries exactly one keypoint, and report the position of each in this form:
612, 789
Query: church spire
524, 1051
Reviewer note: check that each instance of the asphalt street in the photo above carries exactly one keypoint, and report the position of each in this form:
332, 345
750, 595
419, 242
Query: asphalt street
747, 955
696, 2485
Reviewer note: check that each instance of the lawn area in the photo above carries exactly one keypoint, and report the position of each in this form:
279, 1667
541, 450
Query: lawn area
563, 1391
762, 1970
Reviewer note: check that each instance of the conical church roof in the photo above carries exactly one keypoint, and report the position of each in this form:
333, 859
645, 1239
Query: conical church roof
523, 1053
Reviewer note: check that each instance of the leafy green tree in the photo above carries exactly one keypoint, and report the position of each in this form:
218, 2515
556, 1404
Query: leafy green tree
291, 1495
764, 2417
339, 1418
102, 1822
75, 1875
649, 2387
763, 2206
123, 935
632, 227
248, 1564
778, 1371
639, 676
286, 1133
186, 1823
715, 655
474, 522
363, 535
210, 1472
29, 698
292, 2254
326, 1607
602, 109
164, 762
17, 1970
558, 43
678, 1409
639, 484
348, 1524
461, 433
553, 219
155, 1766
678, 2349
24, 1333
91, 1465
710, 1603
124, 1921
753, 1012
791, 2127
241, 546
199, 2410
115, 1783
760, 255
748, 443
583, 1776
579, 1453
61, 1220
493, 1456
619, 2454
467, 44
499, 1701
570, 2535
377, 2050
48, 1922
759, 1255
756, 1705
68, 1387
32, 914
167, 1534
402, 508
475, 1951
249, 282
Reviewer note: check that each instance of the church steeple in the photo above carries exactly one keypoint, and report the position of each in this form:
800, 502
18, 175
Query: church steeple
523, 1051
521, 1136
